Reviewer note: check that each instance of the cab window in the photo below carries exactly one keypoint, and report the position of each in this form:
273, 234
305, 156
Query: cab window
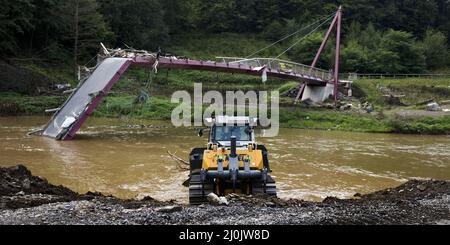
224, 133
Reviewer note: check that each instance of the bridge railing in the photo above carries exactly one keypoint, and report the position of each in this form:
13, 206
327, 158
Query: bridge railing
281, 66
356, 76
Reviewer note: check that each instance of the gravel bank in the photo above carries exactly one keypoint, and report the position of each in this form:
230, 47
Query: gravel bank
27, 199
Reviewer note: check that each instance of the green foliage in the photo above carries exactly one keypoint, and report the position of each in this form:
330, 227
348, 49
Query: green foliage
287, 86
180, 16
402, 51
48, 26
15, 104
306, 50
274, 31
356, 122
378, 36
300, 118
15, 21
374, 52
415, 90
370, 38
427, 125
125, 106
91, 26
435, 49
209, 46
354, 57
138, 24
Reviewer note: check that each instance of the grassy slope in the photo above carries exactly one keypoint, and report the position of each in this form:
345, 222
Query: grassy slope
414, 89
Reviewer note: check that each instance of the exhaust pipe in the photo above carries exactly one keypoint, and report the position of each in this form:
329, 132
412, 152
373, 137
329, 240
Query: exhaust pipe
233, 147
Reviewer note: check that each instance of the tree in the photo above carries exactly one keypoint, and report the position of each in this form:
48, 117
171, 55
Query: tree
435, 49
138, 24
218, 16
15, 21
274, 31
354, 58
386, 61
180, 15
305, 51
443, 18
49, 25
401, 47
86, 28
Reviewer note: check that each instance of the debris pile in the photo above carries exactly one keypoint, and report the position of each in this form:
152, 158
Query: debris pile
27, 199
434, 107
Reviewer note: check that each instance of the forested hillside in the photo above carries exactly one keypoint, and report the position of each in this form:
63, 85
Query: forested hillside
384, 36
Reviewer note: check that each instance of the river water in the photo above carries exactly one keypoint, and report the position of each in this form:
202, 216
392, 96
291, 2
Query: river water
112, 157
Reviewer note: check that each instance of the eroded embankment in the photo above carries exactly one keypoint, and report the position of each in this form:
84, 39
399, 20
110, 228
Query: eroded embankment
27, 199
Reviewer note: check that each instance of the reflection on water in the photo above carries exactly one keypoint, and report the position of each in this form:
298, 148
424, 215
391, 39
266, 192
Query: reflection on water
113, 158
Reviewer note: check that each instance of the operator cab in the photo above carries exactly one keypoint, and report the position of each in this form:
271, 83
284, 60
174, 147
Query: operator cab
223, 128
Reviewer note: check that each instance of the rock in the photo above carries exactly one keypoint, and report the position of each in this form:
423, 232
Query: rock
43, 179
148, 198
443, 222
445, 102
433, 107
169, 209
270, 204
126, 211
26, 184
394, 100
346, 107
424, 102
308, 103
223, 201
216, 200
213, 198
94, 194
357, 195
330, 200
233, 195
421, 187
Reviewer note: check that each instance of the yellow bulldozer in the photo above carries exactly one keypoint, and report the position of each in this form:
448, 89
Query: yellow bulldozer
232, 161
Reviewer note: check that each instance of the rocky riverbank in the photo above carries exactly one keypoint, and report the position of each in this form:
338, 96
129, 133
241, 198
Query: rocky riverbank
28, 199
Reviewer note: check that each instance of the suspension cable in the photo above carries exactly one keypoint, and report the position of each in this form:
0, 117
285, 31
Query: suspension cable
304, 37
292, 34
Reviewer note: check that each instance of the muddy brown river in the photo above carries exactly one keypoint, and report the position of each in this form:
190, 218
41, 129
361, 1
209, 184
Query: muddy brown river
112, 157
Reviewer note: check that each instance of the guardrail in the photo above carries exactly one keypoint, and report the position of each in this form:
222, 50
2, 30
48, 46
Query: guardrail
281, 66
355, 76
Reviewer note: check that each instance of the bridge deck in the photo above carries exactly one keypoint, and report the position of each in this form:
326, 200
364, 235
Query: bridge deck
72, 114
273, 68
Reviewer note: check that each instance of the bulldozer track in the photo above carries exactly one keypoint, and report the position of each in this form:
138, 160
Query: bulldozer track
197, 192
269, 189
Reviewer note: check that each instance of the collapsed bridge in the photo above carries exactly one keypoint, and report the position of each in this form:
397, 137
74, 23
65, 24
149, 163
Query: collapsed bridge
314, 83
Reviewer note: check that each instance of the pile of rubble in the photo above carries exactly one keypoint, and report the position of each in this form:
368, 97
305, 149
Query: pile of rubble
28, 199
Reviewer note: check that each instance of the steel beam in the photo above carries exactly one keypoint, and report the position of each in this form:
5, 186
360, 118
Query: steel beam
337, 56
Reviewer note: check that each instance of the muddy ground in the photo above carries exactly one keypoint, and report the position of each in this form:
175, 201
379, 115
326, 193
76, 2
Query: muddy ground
28, 199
